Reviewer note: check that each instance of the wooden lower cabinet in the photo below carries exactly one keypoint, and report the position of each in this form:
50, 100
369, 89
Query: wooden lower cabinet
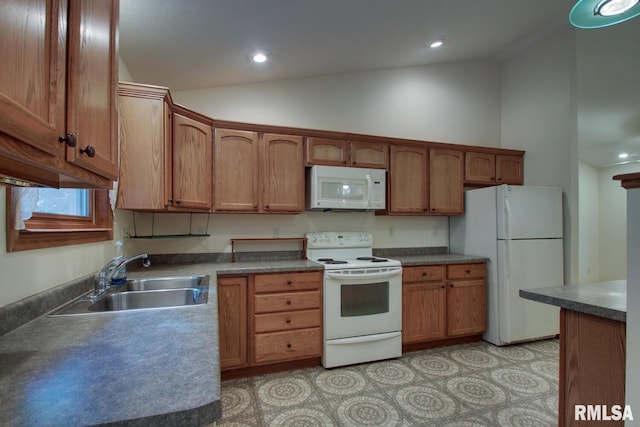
232, 322
592, 365
269, 319
287, 317
441, 302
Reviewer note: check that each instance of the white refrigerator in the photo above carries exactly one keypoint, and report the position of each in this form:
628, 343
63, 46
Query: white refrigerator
519, 228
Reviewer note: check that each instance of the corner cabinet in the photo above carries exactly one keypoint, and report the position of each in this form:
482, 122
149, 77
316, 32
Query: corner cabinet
166, 153
192, 162
58, 92
258, 172
443, 303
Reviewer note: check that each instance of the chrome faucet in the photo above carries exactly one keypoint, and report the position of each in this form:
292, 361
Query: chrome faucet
105, 276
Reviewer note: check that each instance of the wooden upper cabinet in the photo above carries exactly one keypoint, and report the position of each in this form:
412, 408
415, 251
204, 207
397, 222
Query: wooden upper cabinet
58, 88
446, 194
369, 155
408, 177
236, 170
509, 170
492, 169
33, 78
145, 148
327, 151
480, 167
93, 79
192, 163
282, 173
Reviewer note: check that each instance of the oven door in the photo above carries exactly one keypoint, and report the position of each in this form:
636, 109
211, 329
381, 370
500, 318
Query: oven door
362, 302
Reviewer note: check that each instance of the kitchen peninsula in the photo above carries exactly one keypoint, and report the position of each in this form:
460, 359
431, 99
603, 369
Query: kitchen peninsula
592, 344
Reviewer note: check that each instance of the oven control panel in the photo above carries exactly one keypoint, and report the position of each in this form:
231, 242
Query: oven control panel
349, 239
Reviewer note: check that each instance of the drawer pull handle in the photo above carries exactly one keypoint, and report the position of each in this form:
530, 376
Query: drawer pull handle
288, 302
288, 320
288, 345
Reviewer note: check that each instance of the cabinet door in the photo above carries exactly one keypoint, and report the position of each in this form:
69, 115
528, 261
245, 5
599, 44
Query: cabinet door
232, 321
327, 151
509, 170
466, 307
236, 170
423, 312
369, 155
282, 173
93, 79
192, 164
33, 47
446, 195
408, 192
480, 167
145, 144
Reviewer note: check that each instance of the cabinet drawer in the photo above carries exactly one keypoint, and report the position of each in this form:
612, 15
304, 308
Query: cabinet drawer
288, 320
423, 273
283, 282
281, 346
286, 301
465, 271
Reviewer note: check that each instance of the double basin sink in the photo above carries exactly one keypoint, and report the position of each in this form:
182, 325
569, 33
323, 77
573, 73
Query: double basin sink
141, 294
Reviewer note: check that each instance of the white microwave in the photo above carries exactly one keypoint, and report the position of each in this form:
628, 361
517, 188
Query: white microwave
343, 188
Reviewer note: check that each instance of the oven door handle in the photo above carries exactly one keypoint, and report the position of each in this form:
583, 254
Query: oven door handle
381, 275
363, 339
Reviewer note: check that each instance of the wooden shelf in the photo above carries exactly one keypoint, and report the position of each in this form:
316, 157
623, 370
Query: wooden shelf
302, 240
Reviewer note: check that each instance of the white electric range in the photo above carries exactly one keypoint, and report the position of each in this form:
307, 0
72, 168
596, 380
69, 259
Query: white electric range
362, 299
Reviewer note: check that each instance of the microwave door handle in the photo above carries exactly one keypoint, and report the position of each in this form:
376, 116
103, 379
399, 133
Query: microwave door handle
370, 189
381, 275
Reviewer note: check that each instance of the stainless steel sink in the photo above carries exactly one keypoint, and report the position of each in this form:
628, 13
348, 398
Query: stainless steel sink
157, 283
143, 294
132, 300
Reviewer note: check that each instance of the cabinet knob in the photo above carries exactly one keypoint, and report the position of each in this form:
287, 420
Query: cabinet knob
498, 179
433, 209
288, 302
178, 202
288, 320
266, 206
89, 150
289, 282
424, 273
442, 286
255, 206
288, 345
468, 271
451, 285
70, 139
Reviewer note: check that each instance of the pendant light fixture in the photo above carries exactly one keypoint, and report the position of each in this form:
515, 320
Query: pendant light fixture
602, 13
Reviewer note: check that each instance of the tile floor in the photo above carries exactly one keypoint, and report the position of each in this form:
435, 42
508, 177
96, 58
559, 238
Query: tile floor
467, 385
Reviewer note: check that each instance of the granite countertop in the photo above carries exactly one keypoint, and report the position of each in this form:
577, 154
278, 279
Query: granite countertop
130, 368
409, 260
604, 299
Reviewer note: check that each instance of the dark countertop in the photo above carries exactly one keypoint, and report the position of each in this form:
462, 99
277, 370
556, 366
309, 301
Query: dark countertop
604, 299
130, 368
409, 260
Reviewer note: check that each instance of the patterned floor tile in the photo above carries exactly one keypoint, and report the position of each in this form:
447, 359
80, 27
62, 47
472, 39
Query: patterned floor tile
474, 384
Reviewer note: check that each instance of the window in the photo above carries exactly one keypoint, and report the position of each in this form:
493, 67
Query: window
60, 217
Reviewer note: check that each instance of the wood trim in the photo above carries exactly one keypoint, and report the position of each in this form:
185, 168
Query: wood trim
269, 368
406, 348
629, 180
48, 237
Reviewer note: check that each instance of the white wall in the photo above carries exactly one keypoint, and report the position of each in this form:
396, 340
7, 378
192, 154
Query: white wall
29, 272
589, 225
538, 115
613, 222
457, 103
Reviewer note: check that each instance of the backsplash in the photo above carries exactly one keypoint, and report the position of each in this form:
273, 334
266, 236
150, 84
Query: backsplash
387, 231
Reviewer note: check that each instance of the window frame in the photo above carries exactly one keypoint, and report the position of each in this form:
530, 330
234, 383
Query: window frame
45, 230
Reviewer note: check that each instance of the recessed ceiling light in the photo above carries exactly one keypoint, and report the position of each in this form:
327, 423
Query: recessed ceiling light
259, 57
614, 7
436, 43
602, 13
623, 155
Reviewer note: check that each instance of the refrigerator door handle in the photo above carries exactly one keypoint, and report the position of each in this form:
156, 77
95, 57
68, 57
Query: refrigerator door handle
507, 259
507, 218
